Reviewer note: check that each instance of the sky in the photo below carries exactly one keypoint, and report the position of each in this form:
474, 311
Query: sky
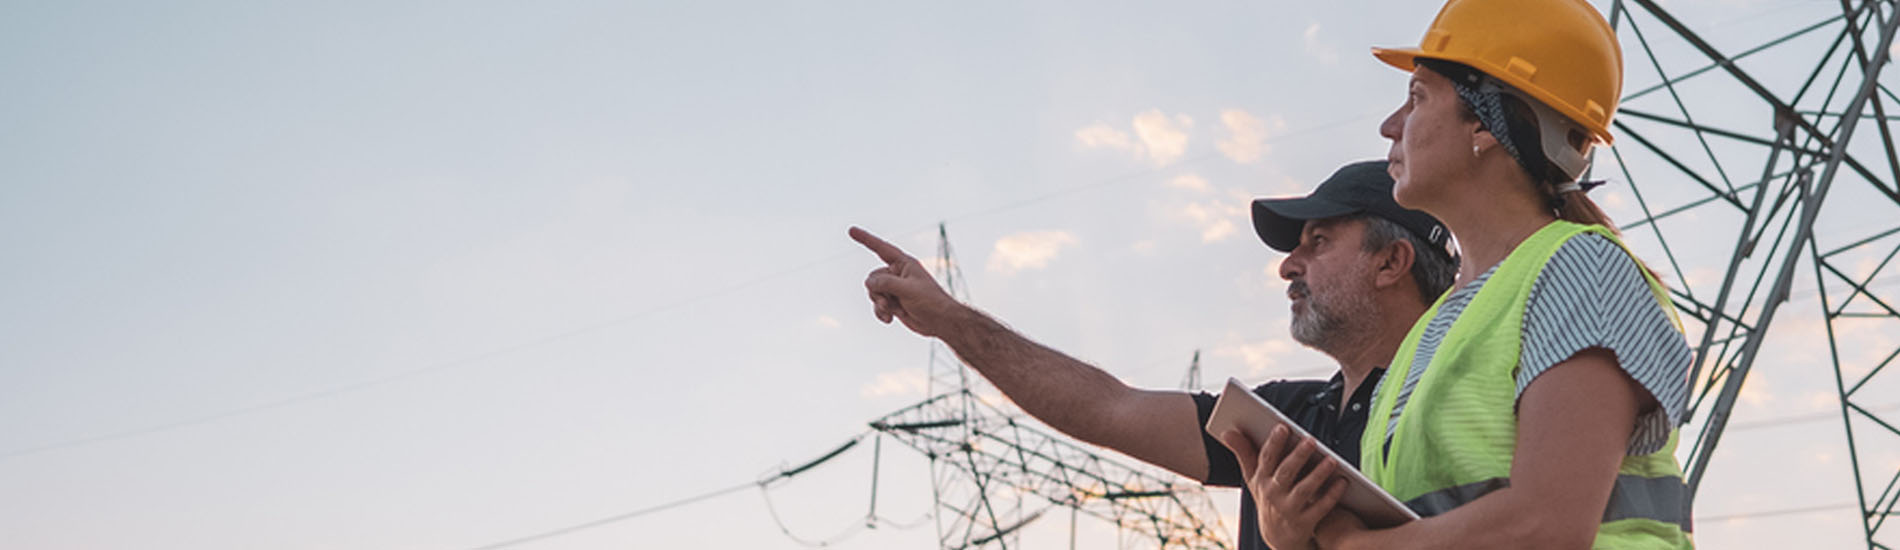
445, 275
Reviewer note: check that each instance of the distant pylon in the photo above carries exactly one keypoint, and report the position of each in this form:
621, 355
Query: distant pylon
1192, 381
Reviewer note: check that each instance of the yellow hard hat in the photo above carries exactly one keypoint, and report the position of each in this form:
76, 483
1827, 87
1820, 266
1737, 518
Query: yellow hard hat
1561, 52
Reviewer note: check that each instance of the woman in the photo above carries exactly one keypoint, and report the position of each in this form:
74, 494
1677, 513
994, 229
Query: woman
1535, 405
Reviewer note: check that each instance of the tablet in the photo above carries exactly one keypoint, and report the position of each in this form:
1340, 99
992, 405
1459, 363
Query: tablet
1240, 409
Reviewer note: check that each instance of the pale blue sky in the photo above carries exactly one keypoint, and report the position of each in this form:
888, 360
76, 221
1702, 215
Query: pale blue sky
593, 253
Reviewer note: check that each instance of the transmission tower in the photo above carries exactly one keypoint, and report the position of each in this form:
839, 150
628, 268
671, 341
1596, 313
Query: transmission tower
1748, 162
1192, 382
994, 471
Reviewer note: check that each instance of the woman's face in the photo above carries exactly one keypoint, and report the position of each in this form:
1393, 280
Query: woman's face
1432, 141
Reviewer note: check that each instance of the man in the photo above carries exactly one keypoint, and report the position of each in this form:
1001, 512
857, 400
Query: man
1360, 270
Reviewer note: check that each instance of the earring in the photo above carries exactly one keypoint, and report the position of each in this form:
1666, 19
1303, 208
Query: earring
1476, 151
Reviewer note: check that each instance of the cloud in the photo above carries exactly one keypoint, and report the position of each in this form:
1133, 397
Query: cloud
1864, 269
1101, 135
1314, 47
1217, 219
1290, 186
1756, 391
828, 321
1158, 138
1028, 250
1697, 277
1165, 138
1613, 200
1817, 400
1246, 141
1874, 339
1191, 182
908, 382
1213, 218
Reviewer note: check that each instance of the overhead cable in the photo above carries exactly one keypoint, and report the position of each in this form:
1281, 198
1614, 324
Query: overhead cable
782, 473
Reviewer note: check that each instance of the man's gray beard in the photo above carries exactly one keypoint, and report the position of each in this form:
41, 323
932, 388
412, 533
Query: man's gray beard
1331, 322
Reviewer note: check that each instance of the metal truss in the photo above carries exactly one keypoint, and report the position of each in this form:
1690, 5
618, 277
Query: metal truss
1784, 162
994, 472
1006, 460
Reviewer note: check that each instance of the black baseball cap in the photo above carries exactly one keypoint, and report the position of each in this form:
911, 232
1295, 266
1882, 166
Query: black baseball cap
1358, 187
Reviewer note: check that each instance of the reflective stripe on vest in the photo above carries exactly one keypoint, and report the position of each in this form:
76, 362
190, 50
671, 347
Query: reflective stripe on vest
1661, 499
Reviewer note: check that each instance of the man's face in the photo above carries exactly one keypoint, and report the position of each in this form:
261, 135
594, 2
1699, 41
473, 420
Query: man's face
1329, 282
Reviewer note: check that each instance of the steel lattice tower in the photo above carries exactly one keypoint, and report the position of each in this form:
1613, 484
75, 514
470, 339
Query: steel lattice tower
1783, 169
994, 471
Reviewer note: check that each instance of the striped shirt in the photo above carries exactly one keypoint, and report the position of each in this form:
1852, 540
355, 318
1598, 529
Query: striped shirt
1591, 294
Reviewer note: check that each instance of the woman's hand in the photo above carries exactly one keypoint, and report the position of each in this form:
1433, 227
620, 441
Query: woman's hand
1291, 498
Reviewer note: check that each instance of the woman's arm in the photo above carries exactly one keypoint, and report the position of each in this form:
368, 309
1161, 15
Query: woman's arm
1573, 427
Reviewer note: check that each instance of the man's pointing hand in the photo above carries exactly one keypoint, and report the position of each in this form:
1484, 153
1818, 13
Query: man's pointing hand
903, 289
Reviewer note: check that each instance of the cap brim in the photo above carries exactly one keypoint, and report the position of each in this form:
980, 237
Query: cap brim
1279, 221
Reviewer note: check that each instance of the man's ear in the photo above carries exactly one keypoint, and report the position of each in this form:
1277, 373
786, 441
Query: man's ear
1395, 263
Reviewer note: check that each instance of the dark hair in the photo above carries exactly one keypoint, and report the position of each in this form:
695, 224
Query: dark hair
1572, 206
1526, 137
1432, 269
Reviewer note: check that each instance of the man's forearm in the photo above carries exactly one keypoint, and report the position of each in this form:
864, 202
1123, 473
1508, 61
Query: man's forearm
1158, 427
1059, 390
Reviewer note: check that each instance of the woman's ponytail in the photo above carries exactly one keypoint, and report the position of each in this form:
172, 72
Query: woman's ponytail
1572, 204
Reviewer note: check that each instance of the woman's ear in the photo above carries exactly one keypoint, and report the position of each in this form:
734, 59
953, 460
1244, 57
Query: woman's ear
1482, 139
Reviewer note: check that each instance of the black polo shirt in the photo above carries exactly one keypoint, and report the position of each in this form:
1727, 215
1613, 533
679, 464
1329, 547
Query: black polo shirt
1314, 405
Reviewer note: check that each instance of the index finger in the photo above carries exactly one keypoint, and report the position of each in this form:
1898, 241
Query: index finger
890, 253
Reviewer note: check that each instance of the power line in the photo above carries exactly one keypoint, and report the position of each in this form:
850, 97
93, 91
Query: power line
761, 483
620, 517
871, 521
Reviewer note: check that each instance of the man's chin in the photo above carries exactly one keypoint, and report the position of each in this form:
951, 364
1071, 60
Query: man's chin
1306, 336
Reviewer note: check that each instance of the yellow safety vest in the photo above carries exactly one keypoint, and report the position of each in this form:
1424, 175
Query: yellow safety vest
1458, 432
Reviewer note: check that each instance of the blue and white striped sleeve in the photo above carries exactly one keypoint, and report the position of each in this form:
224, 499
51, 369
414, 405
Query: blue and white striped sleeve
1592, 295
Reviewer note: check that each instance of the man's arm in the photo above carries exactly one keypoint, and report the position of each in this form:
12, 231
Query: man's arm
1158, 427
